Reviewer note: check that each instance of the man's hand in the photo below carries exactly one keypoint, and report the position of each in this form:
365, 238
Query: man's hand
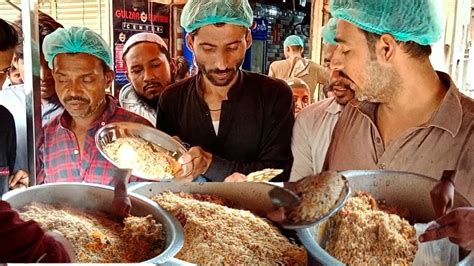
236, 177
18, 180
195, 162
277, 215
458, 225
121, 207
442, 196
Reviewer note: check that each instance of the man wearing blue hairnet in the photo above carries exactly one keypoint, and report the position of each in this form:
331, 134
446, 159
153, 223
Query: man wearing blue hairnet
296, 66
410, 117
236, 120
81, 64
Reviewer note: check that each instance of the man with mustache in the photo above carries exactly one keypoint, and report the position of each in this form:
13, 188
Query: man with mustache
296, 66
236, 121
300, 93
314, 125
20, 241
81, 64
411, 117
149, 70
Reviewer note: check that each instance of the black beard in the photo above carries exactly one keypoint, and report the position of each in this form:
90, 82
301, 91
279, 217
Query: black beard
153, 103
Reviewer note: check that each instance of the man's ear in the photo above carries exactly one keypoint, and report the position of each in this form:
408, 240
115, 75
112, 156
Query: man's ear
109, 78
248, 38
386, 47
190, 42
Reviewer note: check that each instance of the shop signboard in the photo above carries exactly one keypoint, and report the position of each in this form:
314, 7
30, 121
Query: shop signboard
131, 17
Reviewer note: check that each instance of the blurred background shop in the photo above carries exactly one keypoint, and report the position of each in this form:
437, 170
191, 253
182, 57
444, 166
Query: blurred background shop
117, 20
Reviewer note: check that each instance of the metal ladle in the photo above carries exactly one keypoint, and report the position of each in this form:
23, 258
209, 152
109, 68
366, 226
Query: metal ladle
287, 199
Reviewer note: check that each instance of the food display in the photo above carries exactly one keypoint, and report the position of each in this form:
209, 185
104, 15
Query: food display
318, 195
218, 234
146, 159
97, 238
264, 175
364, 234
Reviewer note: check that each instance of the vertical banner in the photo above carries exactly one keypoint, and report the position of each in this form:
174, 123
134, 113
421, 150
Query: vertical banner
131, 17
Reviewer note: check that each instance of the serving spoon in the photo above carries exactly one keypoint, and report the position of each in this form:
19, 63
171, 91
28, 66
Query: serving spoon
286, 198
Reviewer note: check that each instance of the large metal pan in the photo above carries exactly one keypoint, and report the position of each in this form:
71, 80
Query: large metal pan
404, 189
99, 198
243, 195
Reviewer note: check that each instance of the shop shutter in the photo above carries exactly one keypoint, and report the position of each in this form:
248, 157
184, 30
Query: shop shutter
93, 14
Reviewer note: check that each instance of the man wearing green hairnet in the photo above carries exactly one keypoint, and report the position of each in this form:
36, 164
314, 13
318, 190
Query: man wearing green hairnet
409, 117
296, 66
81, 64
236, 120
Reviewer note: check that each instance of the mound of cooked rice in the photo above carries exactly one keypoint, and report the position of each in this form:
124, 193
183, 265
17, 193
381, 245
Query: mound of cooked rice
219, 235
145, 158
364, 234
95, 237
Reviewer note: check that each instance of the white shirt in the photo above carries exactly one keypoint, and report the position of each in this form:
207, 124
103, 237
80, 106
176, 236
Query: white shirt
130, 101
312, 133
13, 98
215, 124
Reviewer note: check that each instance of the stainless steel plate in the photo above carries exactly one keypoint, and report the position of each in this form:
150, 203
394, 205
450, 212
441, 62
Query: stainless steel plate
113, 131
99, 198
404, 189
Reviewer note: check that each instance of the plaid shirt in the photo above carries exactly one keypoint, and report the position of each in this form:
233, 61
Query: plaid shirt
59, 159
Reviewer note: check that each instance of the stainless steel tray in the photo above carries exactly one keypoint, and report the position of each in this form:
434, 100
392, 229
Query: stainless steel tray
397, 188
99, 197
113, 131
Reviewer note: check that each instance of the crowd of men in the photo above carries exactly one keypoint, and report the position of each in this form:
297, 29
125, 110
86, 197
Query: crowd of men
389, 108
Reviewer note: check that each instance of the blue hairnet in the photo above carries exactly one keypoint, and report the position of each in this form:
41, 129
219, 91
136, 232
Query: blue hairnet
199, 13
329, 31
293, 40
76, 40
405, 20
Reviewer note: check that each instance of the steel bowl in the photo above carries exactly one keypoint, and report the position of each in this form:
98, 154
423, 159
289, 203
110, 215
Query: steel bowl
113, 131
243, 195
99, 198
403, 189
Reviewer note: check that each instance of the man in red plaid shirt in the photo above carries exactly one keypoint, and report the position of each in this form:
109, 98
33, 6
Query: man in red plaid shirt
82, 65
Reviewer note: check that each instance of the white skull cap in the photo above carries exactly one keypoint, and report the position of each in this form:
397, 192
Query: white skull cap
143, 37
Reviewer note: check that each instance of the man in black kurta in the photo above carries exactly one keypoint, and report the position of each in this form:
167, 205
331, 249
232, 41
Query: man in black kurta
255, 124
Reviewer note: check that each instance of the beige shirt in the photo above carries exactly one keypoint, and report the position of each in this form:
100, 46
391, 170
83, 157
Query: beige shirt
298, 67
311, 137
444, 143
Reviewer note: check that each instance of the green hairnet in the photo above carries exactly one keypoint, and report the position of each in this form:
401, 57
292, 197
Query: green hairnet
405, 20
198, 13
329, 31
76, 40
293, 40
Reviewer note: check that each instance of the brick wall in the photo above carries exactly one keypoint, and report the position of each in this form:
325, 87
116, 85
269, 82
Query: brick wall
287, 18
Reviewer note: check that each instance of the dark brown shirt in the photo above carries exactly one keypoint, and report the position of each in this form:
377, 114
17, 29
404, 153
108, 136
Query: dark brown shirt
255, 124
446, 142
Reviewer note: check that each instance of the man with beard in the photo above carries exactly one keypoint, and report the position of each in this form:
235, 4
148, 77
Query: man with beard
300, 93
20, 241
296, 66
314, 125
81, 65
50, 105
413, 118
149, 70
236, 120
